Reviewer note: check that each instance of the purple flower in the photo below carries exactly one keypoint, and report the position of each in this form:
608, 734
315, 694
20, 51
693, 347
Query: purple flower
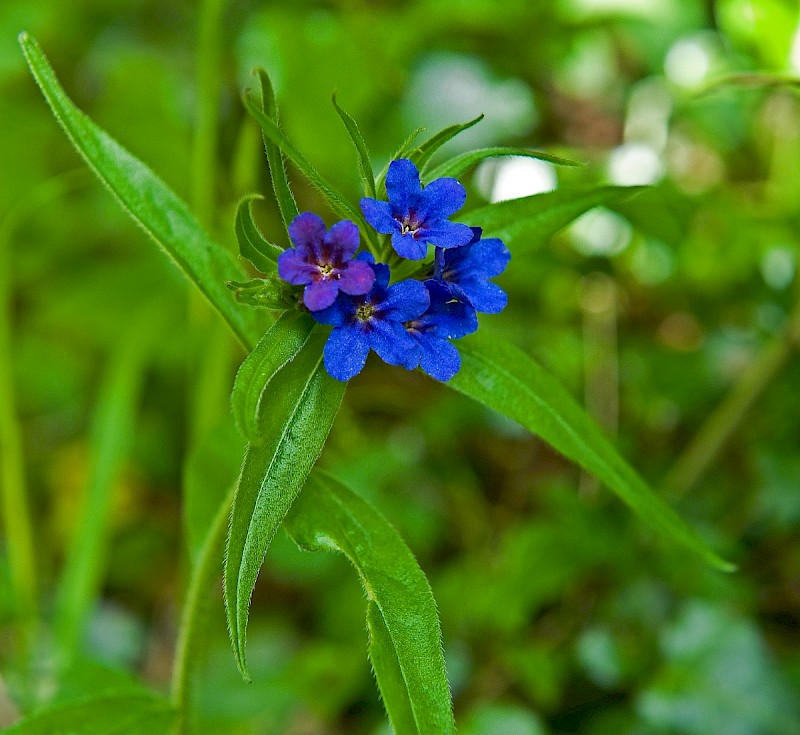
373, 321
415, 216
446, 318
467, 270
324, 261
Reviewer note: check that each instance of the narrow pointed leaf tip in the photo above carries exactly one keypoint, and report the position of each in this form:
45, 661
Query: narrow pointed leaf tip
505, 379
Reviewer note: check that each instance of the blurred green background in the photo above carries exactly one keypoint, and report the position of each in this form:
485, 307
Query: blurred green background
560, 613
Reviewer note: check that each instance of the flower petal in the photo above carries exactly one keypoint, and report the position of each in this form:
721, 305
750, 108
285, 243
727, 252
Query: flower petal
438, 357
342, 241
445, 234
356, 278
449, 315
379, 215
488, 257
307, 232
345, 352
339, 314
402, 186
293, 267
407, 246
320, 295
486, 297
440, 199
405, 301
393, 344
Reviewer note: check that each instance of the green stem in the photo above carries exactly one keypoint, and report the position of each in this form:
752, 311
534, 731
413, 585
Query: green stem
693, 462
206, 570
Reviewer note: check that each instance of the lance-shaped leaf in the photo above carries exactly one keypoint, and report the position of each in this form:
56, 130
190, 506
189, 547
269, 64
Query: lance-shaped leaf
435, 142
530, 221
402, 152
123, 713
151, 203
336, 200
277, 169
252, 244
293, 426
502, 377
282, 341
362, 152
405, 639
264, 293
457, 165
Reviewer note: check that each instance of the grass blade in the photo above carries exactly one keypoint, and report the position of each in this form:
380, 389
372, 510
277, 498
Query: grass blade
406, 646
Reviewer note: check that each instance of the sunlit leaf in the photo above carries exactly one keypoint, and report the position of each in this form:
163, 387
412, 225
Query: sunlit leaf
457, 165
293, 427
502, 377
151, 203
124, 713
252, 244
530, 221
364, 164
278, 346
405, 639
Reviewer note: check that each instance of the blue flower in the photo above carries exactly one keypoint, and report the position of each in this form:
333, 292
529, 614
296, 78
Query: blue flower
373, 321
467, 270
415, 216
446, 318
324, 261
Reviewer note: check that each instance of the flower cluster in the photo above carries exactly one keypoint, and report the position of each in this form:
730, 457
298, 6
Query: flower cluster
409, 323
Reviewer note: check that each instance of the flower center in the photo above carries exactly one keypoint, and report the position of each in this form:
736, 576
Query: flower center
325, 270
364, 312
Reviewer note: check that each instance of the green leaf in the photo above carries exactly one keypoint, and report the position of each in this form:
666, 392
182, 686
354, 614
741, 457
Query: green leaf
264, 293
502, 377
531, 221
150, 202
457, 165
336, 200
405, 645
364, 164
280, 344
124, 713
293, 429
252, 244
277, 170
435, 142
405, 147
